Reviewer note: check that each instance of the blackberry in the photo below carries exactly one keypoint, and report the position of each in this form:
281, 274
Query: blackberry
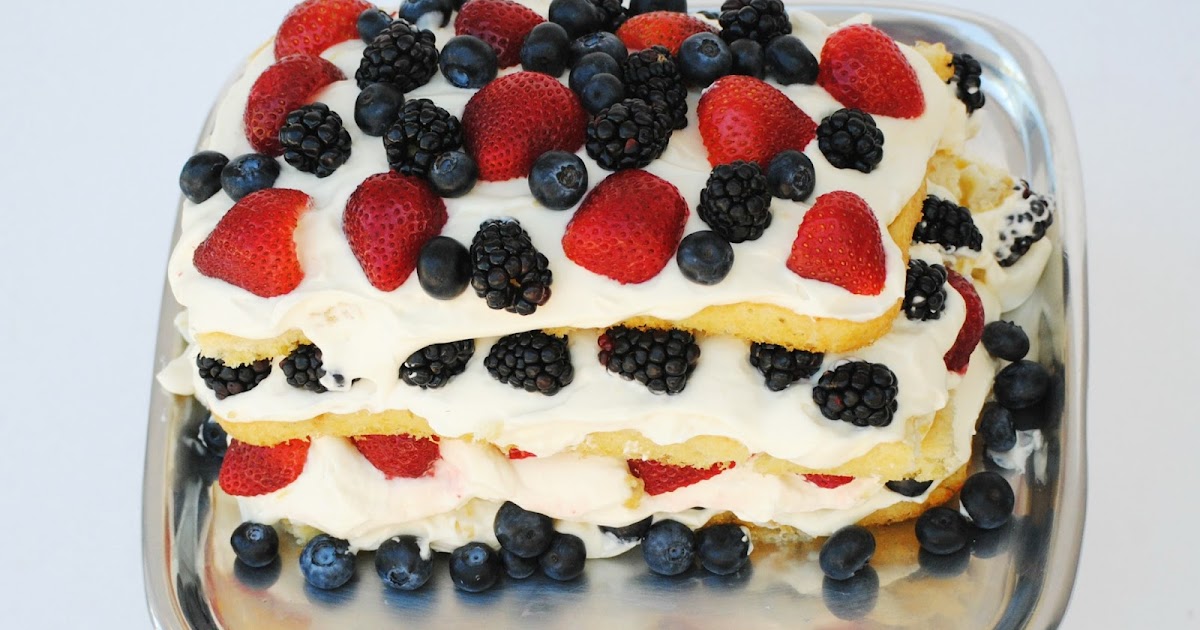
303, 368
1025, 227
507, 270
967, 74
231, 381
662, 360
782, 367
435, 365
858, 392
629, 134
653, 76
612, 14
735, 202
402, 55
533, 361
314, 140
850, 139
947, 224
760, 20
423, 132
924, 291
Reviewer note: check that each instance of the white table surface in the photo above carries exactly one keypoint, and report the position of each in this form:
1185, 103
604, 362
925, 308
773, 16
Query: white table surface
101, 102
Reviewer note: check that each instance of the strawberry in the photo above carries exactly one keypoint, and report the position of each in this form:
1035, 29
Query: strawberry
249, 470
402, 456
839, 242
516, 453
628, 227
862, 67
743, 118
515, 119
253, 245
387, 221
503, 24
828, 481
660, 28
281, 88
660, 478
315, 25
971, 332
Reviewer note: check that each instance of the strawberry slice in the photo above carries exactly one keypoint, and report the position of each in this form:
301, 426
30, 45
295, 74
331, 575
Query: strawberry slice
839, 242
503, 24
959, 354
660, 28
387, 221
314, 25
628, 227
828, 481
250, 471
253, 245
400, 456
516, 453
283, 87
659, 478
513, 120
743, 118
862, 67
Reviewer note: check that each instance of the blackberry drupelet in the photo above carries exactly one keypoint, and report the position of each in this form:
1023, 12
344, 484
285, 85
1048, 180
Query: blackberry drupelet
402, 55
781, 367
231, 381
533, 361
924, 291
850, 139
967, 74
760, 20
314, 140
630, 134
507, 270
653, 76
612, 14
303, 368
1024, 228
435, 365
858, 392
947, 224
662, 360
735, 202
423, 132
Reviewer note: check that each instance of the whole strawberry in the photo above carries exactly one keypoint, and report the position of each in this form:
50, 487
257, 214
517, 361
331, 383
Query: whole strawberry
660, 28
743, 118
314, 25
959, 355
839, 242
863, 68
400, 456
503, 24
628, 227
660, 478
281, 89
387, 221
253, 245
250, 471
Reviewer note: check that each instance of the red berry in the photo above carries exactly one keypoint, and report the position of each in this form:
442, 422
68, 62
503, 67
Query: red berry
503, 24
660, 28
253, 245
959, 355
743, 118
387, 222
249, 470
862, 67
315, 25
659, 478
516, 453
282, 88
401, 456
839, 242
828, 481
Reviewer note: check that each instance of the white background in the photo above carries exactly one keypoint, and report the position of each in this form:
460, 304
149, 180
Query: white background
101, 102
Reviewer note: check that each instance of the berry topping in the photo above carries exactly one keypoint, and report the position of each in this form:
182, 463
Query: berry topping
959, 354
1021, 384
213, 437
863, 68
723, 549
602, 42
629, 134
908, 487
444, 267
576, 17
280, 90
638, 7
435, 365
743, 118
387, 221
303, 368
516, 567
250, 471
564, 560
735, 202
997, 429
402, 55
827, 481
704, 257
660, 28
371, 22
401, 564
704, 58
503, 24
422, 132
653, 76
942, 531
315, 25
858, 392
612, 14
377, 107
967, 74
327, 562
791, 176
468, 62
201, 175
399, 456
518, 117
314, 140
474, 567
669, 548
662, 360
592, 65
533, 361
748, 58
253, 247
947, 224
839, 242
558, 179
634, 532
627, 208
453, 174
1005, 340
988, 499
660, 478
255, 545
249, 173
546, 49
230, 381
759, 20
789, 61
507, 270
924, 291
849, 139
428, 12
524, 533
1024, 227
847, 551
601, 92
782, 367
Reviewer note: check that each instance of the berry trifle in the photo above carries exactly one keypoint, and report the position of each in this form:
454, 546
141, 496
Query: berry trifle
533, 283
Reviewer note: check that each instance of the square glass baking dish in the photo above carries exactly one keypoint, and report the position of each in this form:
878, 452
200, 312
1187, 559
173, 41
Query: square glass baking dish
1019, 576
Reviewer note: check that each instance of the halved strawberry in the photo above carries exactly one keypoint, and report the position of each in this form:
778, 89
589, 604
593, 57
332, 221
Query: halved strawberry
839, 242
516, 453
249, 470
253, 245
959, 354
503, 24
402, 456
660, 478
628, 227
515, 119
660, 28
387, 221
828, 481
743, 118
314, 25
285, 86
862, 67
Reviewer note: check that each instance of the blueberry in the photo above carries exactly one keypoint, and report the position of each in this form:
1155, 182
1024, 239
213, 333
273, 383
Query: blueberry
249, 173
564, 560
853, 598
704, 257
371, 23
790, 61
634, 532
600, 92
748, 58
669, 548
524, 533
453, 174
908, 487
704, 58
601, 41
589, 66
723, 549
468, 62
254, 544
847, 550
637, 7
1021, 384
444, 267
435, 12
201, 175
996, 426
326, 562
401, 565
577, 17
546, 49
214, 438
988, 499
558, 179
791, 175
942, 531
377, 108
517, 567
474, 567
1005, 340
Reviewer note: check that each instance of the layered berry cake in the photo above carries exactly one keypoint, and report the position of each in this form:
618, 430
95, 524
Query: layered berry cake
538, 282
